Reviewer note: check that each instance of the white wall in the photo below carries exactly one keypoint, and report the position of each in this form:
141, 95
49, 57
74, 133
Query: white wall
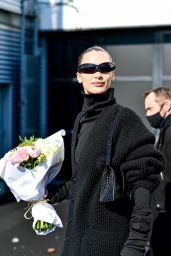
123, 13
85, 14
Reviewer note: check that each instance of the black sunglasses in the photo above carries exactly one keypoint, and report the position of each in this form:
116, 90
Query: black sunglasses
89, 68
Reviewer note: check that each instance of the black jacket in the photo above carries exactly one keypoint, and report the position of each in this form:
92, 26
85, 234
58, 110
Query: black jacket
164, 144
160, 237
100, 229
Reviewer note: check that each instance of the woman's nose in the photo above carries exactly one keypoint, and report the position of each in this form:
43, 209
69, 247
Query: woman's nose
98, 74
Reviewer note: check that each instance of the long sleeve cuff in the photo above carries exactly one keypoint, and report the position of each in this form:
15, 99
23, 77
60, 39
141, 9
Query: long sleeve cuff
62, 193
139, 224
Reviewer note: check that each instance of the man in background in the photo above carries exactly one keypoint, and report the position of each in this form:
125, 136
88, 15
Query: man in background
158, 112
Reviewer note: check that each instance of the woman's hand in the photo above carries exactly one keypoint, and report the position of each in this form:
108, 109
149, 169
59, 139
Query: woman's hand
46, 193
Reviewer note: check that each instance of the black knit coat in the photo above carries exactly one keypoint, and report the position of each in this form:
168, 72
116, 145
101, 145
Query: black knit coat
109, 229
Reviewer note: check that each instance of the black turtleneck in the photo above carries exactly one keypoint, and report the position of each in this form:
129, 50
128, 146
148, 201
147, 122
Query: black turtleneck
92, 107
93, 102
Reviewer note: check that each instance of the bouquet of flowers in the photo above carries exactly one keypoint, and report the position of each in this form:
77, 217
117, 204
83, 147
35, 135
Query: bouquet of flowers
27, 170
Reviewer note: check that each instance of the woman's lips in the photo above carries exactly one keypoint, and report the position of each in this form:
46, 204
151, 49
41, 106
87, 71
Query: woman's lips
98, 84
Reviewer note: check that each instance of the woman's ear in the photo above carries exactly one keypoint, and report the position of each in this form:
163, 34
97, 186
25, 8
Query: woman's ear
113, 75
168, 104
78, 77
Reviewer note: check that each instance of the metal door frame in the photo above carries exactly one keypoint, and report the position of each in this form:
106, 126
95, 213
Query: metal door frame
6, 118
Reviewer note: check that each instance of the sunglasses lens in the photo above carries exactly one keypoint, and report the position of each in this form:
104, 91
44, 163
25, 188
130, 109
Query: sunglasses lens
106, 67
87, 68
92, 68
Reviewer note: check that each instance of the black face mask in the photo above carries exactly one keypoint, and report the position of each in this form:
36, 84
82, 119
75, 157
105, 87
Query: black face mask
155, 120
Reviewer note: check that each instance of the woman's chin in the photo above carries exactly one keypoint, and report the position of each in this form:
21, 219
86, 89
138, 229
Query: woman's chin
98, 90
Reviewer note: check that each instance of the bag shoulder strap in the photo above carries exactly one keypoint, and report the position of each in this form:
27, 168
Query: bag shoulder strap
109, 145
109, 142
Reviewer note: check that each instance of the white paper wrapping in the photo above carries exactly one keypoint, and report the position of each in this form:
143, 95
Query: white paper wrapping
29, 185
44, 211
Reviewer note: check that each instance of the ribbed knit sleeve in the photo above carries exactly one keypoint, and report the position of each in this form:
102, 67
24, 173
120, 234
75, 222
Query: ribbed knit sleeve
62, 193
141, 162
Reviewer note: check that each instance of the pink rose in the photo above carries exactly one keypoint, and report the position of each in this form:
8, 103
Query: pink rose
33, 152
19, 156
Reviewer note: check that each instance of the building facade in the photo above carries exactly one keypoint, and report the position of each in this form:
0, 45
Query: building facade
17, 48
40, 42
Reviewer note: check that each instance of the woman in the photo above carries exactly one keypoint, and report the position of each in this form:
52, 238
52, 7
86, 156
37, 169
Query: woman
96, 228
